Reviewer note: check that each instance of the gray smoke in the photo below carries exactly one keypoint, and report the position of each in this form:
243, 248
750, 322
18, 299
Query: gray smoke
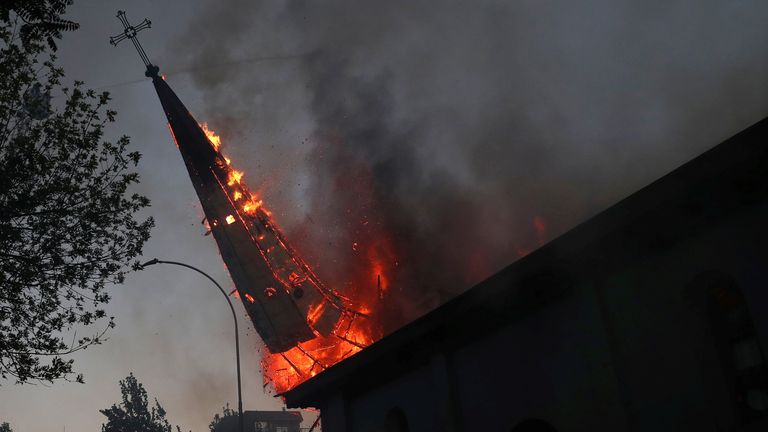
468, 132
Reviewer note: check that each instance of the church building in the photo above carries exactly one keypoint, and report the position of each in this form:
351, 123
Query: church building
651, 316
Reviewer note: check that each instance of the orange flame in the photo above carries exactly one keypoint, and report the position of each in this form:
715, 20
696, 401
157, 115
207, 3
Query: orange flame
251, 206
352, 333
212, 136
234, 177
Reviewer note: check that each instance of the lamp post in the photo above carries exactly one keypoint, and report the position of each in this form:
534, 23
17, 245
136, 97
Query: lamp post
234, 316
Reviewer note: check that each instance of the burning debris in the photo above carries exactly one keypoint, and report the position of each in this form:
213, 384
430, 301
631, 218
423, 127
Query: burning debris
305, 325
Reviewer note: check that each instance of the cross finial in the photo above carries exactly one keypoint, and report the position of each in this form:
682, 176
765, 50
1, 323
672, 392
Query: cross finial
131, 32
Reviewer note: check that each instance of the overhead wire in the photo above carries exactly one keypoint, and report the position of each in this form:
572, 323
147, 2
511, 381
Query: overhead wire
207, 66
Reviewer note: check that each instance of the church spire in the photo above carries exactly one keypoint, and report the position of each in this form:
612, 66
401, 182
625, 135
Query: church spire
286, 302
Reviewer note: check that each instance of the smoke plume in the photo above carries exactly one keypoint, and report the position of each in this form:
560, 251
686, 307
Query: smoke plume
444, 140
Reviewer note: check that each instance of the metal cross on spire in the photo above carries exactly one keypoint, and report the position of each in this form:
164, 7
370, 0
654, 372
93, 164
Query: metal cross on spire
131, 33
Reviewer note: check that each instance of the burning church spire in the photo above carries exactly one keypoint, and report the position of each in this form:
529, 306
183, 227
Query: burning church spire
286, 302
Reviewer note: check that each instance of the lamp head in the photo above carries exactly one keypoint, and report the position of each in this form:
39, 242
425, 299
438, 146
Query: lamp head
153, 261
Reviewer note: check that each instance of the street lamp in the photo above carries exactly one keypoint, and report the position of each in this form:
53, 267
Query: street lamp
234, 316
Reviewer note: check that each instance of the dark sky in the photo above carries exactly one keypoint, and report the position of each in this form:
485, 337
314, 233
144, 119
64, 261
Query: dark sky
477, 122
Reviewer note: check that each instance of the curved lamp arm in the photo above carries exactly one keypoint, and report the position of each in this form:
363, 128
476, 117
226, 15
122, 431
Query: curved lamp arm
234, 316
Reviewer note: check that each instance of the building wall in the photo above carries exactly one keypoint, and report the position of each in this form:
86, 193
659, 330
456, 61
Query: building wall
412, 393
629, 348
671, 378
553, 364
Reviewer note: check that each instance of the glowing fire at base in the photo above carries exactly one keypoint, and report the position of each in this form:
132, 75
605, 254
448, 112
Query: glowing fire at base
286, 370
353, 331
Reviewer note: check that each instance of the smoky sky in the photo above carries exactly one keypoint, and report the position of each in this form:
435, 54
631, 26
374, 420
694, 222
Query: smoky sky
468, 132
465, 134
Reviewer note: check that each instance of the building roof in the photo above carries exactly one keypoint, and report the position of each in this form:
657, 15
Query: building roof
250, 417
697, 195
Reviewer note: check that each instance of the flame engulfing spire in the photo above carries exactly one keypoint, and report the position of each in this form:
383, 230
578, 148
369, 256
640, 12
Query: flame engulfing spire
285, 300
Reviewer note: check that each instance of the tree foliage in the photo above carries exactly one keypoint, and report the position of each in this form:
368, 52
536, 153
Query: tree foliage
69, 224
41, 19
134, 414
217, 418
5, 427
